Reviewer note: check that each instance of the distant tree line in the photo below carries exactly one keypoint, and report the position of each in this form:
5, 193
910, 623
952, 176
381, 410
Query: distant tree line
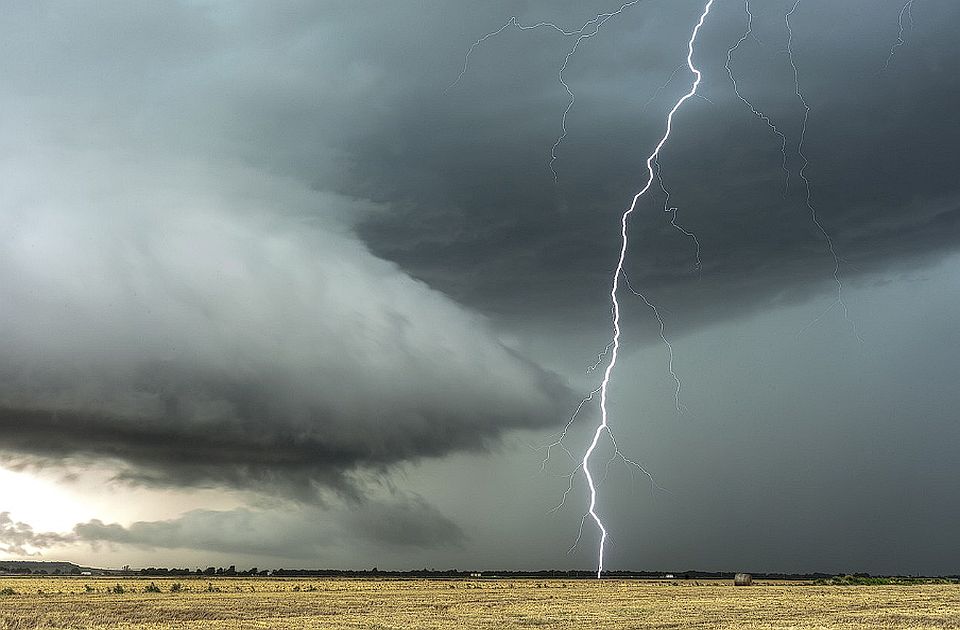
544, 574
456, 573
230, 571
57, 568
15, 570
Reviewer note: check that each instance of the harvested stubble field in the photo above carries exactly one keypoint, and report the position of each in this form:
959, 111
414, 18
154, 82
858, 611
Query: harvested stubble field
495, 604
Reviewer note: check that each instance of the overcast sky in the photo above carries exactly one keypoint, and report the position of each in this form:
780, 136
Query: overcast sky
278, 289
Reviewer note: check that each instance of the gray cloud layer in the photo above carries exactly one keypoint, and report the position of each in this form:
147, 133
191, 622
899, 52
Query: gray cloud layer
200, 342
247, 245
199, 320
350, 97
306, 535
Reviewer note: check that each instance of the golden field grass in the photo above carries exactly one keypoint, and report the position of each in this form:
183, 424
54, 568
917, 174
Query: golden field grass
85, 602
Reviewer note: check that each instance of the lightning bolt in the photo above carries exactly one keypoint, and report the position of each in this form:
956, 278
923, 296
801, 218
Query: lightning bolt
663, 335
673, 221
558, 443
748, 34
663, 87
615, 286
907, 10
513, 21
563, 118
618, 454
808, 192
589, 29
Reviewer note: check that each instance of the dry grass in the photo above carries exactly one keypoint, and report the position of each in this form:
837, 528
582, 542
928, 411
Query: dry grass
490, 604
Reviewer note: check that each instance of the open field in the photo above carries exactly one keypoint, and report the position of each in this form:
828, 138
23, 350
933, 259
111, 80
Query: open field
85, 602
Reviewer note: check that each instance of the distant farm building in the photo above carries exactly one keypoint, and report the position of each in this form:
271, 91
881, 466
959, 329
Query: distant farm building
742, 579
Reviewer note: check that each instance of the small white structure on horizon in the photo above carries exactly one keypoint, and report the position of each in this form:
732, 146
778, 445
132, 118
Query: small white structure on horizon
668, 576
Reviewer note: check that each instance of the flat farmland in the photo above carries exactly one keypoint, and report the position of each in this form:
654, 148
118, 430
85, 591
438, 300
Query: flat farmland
270, 603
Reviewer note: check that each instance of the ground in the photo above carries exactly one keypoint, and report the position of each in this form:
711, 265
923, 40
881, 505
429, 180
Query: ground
128, 603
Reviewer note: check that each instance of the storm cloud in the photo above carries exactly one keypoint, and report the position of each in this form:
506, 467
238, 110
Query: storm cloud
199, 342
882, 171
265, 248
200, 320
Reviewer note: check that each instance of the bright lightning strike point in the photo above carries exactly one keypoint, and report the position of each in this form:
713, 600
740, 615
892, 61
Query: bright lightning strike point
589, 29
615, 285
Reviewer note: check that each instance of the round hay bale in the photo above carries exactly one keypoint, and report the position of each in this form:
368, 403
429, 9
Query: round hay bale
742, 579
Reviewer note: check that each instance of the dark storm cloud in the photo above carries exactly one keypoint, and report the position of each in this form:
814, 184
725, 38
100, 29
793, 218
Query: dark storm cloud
260, 433
350, 97
483, 221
